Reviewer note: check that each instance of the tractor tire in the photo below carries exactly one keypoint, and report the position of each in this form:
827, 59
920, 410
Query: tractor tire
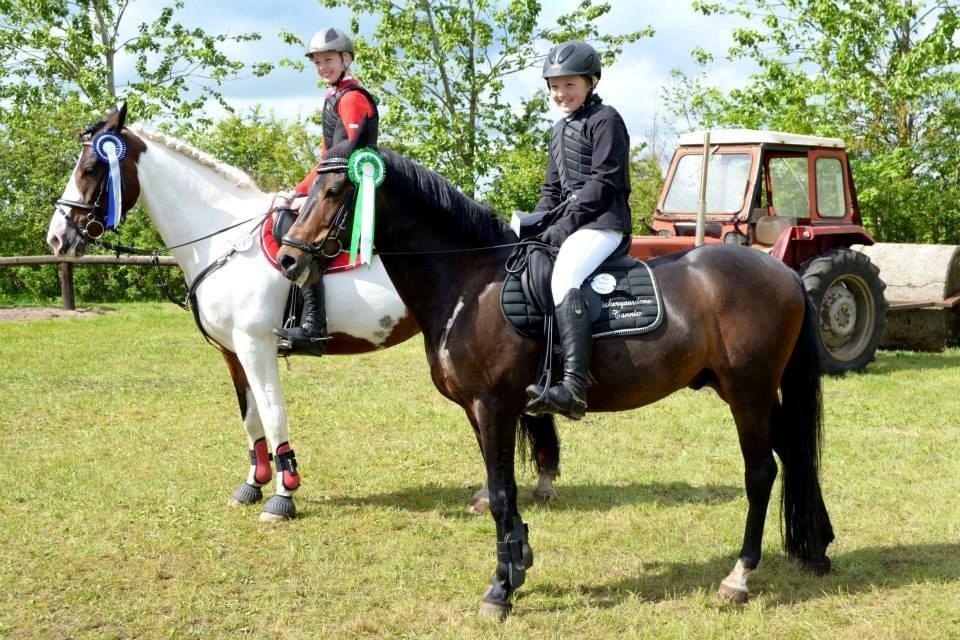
847, 293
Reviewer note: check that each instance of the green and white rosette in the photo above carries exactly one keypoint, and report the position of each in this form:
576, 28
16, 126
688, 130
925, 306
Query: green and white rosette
365, 168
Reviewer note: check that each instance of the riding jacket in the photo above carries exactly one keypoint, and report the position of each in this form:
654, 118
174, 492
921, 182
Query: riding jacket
589, 157
345, 106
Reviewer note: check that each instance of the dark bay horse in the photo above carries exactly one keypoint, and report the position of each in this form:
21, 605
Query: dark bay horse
737, 321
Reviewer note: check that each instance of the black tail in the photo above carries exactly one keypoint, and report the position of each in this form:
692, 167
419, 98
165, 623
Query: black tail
797, 436
538, 436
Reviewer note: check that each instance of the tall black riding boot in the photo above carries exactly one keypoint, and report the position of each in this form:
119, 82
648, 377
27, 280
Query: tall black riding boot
311, 335
569, 398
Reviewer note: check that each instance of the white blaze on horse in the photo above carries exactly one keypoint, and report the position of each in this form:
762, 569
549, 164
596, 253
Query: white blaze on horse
210, 213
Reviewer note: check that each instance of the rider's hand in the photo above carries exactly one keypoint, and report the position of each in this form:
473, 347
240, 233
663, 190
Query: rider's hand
297, 202
554, 235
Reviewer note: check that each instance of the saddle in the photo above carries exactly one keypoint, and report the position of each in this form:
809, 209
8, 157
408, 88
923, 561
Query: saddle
622, 293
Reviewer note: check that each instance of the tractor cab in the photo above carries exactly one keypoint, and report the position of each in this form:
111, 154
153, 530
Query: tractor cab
789, 194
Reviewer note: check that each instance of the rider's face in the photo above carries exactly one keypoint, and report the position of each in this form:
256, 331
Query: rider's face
330, 65
569, 92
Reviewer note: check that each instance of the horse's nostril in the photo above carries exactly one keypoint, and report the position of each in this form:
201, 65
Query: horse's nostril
287, 262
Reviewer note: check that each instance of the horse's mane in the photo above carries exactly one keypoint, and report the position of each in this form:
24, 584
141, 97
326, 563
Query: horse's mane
237, 177
443, 202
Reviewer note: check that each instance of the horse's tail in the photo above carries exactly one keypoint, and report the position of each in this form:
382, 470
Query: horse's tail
796, 439
537, 436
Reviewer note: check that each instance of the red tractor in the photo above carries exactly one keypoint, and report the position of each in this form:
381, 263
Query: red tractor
793, 197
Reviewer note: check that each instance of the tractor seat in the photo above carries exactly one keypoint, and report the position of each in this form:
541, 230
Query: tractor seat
769, 228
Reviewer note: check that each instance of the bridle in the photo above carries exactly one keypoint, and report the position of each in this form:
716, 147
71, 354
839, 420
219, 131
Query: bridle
331, 245
93, 228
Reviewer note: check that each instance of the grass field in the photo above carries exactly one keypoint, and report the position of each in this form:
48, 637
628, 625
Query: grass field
121, 442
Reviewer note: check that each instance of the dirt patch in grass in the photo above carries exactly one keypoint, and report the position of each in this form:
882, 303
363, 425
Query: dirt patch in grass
17, 314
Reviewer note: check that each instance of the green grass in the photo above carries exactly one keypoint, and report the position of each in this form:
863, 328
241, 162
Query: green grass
122, 443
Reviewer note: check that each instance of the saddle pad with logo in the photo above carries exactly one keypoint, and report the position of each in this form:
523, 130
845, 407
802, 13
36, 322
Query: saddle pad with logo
622, 299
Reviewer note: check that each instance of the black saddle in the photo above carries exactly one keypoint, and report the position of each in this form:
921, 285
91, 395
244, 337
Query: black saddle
622, 294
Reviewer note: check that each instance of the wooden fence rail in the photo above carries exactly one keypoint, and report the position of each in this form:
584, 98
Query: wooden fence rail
66, 267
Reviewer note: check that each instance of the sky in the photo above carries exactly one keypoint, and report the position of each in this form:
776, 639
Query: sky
634, 84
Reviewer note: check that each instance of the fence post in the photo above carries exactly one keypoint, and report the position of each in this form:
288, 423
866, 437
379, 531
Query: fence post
66, 285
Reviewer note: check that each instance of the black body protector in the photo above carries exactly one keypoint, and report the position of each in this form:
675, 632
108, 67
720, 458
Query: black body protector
572, 152
334, 131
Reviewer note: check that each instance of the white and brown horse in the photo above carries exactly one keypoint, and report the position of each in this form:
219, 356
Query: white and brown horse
205, 212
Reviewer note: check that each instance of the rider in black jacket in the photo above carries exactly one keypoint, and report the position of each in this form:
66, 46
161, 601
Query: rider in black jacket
588, 183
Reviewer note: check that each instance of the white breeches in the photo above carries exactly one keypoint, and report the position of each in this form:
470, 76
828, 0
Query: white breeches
580, 254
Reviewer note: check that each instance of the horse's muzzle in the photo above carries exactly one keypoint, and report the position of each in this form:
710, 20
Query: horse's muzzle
294, 264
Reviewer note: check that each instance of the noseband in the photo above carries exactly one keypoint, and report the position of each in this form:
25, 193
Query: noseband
337, 226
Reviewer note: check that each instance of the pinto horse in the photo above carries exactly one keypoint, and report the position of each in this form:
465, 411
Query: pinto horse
736, 320
205, 211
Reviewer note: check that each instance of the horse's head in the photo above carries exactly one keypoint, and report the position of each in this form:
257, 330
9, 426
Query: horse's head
322, 228
106, 171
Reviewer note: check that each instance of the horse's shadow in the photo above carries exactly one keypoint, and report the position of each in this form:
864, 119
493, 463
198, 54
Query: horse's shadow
779, 581
450, 500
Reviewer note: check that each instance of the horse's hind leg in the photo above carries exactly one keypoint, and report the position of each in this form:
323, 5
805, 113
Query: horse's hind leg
753, 428
545, 451
541, 434
258, 473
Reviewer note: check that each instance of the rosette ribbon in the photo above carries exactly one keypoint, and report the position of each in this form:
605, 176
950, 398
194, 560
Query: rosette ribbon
366, 170
110, 149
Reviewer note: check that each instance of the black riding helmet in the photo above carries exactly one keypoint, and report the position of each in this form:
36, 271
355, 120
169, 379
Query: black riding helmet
572, 58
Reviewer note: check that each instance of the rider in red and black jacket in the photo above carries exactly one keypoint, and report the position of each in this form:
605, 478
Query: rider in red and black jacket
346, 105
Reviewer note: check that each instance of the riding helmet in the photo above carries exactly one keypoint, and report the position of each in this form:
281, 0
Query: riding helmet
331, 39
572, 58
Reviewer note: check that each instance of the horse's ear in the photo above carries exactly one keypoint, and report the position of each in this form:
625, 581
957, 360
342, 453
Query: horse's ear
366, 133
121, 116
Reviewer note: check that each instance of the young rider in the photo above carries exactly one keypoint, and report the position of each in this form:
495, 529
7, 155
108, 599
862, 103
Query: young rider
344, 108
588, 170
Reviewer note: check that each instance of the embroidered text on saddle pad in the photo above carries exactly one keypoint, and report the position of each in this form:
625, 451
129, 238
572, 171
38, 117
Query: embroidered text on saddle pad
623, 300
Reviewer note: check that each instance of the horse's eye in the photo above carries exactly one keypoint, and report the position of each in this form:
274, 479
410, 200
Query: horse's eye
333, 192
89, 169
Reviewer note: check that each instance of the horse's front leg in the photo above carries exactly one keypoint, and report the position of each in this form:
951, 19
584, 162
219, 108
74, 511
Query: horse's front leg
259, 472
259, 360
514, 556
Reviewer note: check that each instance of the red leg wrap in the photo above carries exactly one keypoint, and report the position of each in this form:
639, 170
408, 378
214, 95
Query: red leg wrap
261, 453
287, 467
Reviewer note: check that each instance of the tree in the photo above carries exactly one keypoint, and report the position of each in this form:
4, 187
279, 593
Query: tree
646, 181
275, 152
440, 67
59, 62
881, 75
57, 48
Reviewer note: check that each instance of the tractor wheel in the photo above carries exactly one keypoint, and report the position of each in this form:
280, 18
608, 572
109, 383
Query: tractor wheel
848, 294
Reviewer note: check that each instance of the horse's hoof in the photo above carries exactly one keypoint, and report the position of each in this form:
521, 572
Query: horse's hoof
493, 611
245, 494
545, 494
819, 567
478, 506
278, 508
733, 594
